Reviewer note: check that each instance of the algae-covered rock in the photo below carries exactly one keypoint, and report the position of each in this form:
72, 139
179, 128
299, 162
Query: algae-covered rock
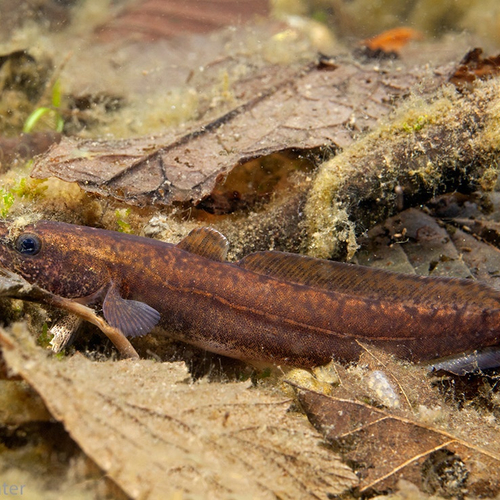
445, 142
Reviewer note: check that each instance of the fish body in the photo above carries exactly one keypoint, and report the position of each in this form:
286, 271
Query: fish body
269, 307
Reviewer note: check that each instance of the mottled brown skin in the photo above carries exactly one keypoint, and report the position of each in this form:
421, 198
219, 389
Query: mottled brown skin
229, 309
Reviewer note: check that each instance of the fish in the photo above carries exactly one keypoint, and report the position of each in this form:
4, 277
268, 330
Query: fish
269, 307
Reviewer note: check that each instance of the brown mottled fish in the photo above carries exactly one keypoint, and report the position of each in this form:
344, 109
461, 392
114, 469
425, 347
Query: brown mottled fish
268, 307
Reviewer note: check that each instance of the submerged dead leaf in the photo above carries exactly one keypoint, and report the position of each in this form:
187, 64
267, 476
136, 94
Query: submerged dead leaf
317, 107
486, 230
153, 19
156, 434
384, 448
475, 67
415, 242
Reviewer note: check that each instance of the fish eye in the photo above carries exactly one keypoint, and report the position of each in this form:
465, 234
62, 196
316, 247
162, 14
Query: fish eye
28, 244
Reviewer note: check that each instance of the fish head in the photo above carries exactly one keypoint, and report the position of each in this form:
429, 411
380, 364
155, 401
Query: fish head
53, 256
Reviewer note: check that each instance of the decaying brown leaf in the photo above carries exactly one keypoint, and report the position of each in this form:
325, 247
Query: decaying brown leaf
486, 230
384, 448
318, 107
157, 434
415, 242
475, 67
481, 258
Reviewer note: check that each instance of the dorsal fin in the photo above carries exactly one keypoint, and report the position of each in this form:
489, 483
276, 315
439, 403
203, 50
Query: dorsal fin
207, 242
369, 282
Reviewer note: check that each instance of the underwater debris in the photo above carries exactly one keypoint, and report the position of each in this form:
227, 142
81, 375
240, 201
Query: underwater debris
313, 108
431, 145
387, 45
475, 67
392, 40
386, 446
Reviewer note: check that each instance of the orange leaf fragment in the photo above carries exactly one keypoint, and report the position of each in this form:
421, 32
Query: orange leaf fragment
392, 40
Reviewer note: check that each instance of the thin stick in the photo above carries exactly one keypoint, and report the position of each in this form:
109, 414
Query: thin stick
13, 285
116, 336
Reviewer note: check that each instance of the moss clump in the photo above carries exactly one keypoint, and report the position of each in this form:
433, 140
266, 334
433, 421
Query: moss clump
6, 202
122, 222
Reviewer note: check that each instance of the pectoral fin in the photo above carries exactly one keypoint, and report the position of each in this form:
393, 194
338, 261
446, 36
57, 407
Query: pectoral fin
131, 317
